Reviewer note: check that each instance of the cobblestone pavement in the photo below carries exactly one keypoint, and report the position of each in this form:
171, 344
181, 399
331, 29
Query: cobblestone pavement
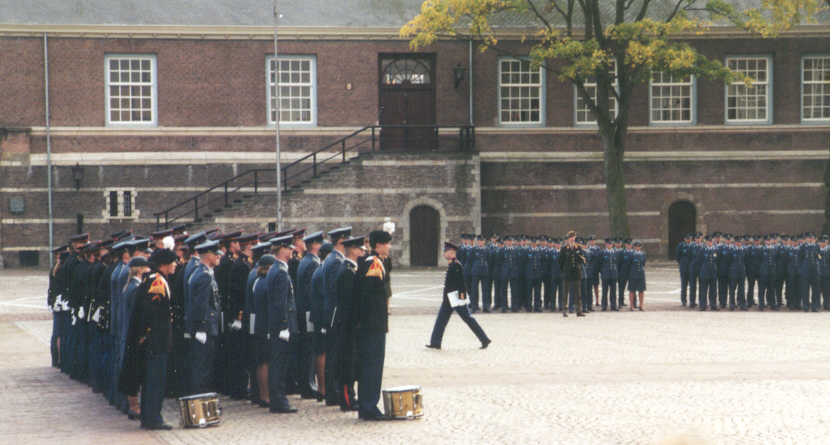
664, 376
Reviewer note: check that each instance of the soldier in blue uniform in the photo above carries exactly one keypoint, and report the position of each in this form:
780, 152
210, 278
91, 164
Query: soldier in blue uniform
330, 270
478, 259
807, 274
493, 257
737, 275
709, 256
306, 360
781, 266
768, 269
260, 320
548, 292
791, 273
823, 271
594, 258
282, 324
557, 282
696, 257
502, 265
623, 269
515, 275
637, 283
236, 372
683, 259
202, 318
609, 276
723, 269
534, 275
466, 258
260, 268
753, 261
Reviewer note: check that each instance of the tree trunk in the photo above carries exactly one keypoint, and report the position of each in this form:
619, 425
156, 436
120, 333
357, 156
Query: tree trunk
612, 141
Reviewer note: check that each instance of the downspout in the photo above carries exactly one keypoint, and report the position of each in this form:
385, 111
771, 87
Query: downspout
48, 145
471, 81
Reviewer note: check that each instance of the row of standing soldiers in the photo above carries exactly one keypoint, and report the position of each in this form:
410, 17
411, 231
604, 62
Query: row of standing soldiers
728, 268
534, 272
217, 342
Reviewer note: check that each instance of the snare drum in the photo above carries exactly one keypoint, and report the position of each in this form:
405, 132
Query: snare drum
403, 402
200, 410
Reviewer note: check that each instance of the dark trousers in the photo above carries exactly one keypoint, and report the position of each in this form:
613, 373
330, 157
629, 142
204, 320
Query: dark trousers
346, 368
82, 349
685, 280
692, 282
251, 365
93, 354
766, 293
304, 363
572, 289
749, 295
548, 293
824, 291
722, 288
236, 376
557, 293
177, 379
809, 292
153, 388
609, 293
501, 294
737, 293
791, 291
535, 294
778, 290
707, 292
487, 299
518, 293
278, 373
480, 283
201, 362
586, 294
622, 286
220, 360
371, 356
331, 369
53, 341
444, 315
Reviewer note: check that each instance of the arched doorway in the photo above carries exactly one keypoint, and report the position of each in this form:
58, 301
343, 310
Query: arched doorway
424, 236
681, 220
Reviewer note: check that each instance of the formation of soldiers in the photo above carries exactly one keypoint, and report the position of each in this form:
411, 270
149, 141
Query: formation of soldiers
544, 273
727, 269
256, 317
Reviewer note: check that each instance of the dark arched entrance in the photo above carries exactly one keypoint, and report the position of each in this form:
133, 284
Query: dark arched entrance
424, 236
681, 220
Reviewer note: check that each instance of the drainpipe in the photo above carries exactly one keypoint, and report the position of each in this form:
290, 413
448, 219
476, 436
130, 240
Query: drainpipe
471, 81
48, 144
279, 199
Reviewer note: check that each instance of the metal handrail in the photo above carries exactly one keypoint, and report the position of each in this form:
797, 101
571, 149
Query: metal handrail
466, 142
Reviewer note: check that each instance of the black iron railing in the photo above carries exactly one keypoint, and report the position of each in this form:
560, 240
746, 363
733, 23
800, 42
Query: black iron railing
369, 139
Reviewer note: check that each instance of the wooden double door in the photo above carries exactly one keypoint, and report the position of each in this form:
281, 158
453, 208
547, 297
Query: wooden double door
407, 97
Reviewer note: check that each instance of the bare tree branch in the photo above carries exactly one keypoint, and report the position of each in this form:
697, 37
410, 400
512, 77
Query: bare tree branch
675, 10
643, 12
619, 11
539, 15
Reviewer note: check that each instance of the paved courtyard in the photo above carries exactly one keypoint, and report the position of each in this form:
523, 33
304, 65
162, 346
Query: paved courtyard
663, 376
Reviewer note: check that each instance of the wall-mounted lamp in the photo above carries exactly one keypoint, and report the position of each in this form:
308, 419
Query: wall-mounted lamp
459, 74
77, 175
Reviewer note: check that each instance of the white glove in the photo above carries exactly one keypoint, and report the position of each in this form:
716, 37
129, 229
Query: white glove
81, 312
237, 325
65, 305
251, 318
323, 330
284, 335
201, 337
97, 315
74, 320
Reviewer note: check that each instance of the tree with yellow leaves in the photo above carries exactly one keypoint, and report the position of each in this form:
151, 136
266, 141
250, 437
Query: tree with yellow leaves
615, 45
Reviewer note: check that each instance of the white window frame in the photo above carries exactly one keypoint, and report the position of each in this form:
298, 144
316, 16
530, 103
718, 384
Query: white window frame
693, 102
595, 99
134, 214
803, 119
769, 91
154, 91
541, 95
313, 92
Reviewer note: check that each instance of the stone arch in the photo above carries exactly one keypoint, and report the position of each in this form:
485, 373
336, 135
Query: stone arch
665, 213
405, 225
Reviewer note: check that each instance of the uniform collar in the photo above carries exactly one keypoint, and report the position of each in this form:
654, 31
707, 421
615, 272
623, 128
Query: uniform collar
350, 261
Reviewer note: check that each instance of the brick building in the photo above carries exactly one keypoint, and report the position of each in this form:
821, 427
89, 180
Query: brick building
151, 105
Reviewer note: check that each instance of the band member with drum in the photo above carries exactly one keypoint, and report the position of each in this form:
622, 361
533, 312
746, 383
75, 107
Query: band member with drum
149, 341
454, 282
372, 324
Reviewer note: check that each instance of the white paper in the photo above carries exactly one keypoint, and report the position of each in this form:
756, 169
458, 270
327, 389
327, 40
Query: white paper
310, 327
251, 324
455, 301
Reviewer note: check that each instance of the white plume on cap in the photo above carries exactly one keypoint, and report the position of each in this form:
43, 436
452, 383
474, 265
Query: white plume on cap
168, 242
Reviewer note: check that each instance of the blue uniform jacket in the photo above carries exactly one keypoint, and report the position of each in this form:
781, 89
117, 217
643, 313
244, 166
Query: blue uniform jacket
202, 315
261, 308
281, 300
609, 265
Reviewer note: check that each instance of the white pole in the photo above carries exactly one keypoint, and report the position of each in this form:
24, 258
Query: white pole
277, 123
48, 146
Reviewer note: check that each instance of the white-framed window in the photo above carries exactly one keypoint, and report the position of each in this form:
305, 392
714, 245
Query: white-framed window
296, 99
520, 92
583, 115
749, 104
131, 89
814, 98
120, 203
671, 98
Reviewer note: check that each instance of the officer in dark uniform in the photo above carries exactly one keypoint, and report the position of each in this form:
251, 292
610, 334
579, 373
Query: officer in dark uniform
696, 256
548, 292
723, 269
708, 275
623, 269
534, 276
345, 324
637, 283
502, 266
258, 251
768, 269
737, 274
781, 266
149, 341
516, 268
753, 261
454, 283
478, 257
305, 364
609, 276
203, 318
330, 270
282, 324
260, 322
372, 325
557, 281
683, 258
230, 249
54, 301
572, 262
238, 274
316, 298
